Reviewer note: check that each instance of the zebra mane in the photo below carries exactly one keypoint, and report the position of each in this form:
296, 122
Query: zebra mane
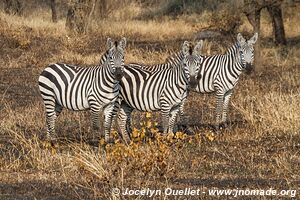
173, 58
234, 51
233, 48
140, 66
104, 57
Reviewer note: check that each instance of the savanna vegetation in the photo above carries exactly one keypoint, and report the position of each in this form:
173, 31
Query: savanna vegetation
259, 150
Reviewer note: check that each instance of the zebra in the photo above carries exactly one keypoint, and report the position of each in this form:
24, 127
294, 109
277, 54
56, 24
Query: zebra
172, 60
81, 88
220, 74
158, 90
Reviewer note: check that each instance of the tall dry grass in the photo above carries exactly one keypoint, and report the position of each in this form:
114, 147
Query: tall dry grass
260, 148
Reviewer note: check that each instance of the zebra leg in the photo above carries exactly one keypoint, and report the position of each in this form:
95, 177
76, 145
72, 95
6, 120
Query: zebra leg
173, 115
115, 114
182, 118
116, 109
95, 118
108, 114
95, 114
165, 119
50, 118
225, 107
124, 121
219, 109
128, 124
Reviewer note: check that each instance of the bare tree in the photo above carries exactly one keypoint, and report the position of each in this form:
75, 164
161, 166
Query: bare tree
252, 10
90, 13
275, 12
103, 8
53, 10
79, 14
13, 7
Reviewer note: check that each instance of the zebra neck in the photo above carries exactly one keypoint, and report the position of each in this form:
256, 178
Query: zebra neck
104, 73
175, 59
233, 55
103, 58
179, 75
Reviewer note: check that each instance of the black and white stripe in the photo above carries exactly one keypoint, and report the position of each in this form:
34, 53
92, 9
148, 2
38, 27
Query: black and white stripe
220, 73
158, 90
80, 88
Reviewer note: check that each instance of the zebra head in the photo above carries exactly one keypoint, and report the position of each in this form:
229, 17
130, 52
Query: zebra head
116, 52
246, 51
192, 62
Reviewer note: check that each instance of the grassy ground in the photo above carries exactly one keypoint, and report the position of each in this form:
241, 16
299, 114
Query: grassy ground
260, 149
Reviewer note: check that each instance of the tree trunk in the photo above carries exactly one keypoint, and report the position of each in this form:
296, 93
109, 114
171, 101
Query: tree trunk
277, 22
13, 7
70, 20
79, 14
103, 8
254, 19
89, 16
53, 10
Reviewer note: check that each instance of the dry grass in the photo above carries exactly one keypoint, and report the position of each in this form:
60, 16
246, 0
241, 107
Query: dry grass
259, 150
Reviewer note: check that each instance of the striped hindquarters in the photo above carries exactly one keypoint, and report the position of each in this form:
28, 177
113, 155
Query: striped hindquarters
142, 89
73, 87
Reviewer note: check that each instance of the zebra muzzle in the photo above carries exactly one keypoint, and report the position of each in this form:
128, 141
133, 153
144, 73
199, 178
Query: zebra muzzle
193, 82
248, 68
119, 73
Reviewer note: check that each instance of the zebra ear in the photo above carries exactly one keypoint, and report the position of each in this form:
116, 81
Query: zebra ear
185, 48
253, 39
240, 38
109, 43
122, 43
198, 48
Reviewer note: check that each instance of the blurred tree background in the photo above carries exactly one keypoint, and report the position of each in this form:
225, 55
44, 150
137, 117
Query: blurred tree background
225, 20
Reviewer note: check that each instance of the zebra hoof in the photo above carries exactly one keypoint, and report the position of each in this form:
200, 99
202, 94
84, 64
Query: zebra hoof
96, 128
187, 130
50, 144
216, 127
223, 125
102, 142
127, 142
46, 144
109, 141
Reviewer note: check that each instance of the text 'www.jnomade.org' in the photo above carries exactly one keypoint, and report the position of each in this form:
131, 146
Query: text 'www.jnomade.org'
148, 192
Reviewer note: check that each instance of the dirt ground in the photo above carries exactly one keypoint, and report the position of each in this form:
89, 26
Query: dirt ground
259, 150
